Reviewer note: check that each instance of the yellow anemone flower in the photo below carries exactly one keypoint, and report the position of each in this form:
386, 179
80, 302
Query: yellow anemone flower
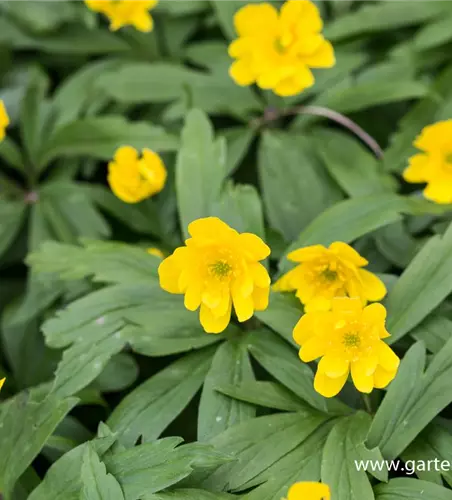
2, 381
309, 491
277, 50
434, 164
218, 268
326, 273
4, 120
133, 179
125, 12
348, 339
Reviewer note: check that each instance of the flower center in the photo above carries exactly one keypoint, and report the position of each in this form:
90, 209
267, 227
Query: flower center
280, 47
329, 275
449, 158
351, 339
220, 269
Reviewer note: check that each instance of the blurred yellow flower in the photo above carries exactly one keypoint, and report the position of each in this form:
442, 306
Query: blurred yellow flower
218, 268
277, 50
4, 120
348, 339
434, 164
309, 491
325, 273
133, 179
2, 381
156, 252
125, 12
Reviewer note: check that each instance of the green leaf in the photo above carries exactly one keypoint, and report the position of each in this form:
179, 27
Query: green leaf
259, 443
266, 394
217, 412
26, 426
63, 479
427, 111
200, 169
434, 34
32, 115
414, 489
434, 331
383, 17
190, 494
11, 154
186, 88
100, 137
238, 142
119, 373
413, 399
296, 189
424, 284
289, 370
351, 165
97, 483
397, 244
11, 219
344, 447
152, 406
104, 262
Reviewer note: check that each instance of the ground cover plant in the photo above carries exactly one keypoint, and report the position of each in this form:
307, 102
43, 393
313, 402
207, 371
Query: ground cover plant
225, 250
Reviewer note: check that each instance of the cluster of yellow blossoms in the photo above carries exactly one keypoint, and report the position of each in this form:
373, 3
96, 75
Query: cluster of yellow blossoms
125, 12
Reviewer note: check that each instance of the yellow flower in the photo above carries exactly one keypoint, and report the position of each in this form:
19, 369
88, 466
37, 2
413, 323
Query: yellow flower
434, 164
309, 491
218, 268
2, 381
156, 252
325, 273
125, 12
348, 339
277, 50
4, 120
134, 179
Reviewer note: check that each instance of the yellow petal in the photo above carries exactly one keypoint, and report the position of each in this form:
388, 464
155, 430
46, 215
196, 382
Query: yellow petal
170, 270
382, 377
312, 349
347, 306
123, 190
212, 323
439, 191
333, 366
143, 22
309, 490
2, 381
362, 373
288, 281
387, 358
295, 84
348, 253
244, 306
241, 72
373, 288
253, 247
210, 229
193, 295
329, 387
307, 253
126, 154
302, 12
417, 170
153, 170
260, 298
256, 19
318, 303
260, 275
323, 57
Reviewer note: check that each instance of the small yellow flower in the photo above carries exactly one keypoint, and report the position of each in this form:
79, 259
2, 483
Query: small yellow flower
218, 268
309, 491
4, 120
133, 179
2, 381
348, 339
434, 164
325, 273
277, 50
156, 252
125, 12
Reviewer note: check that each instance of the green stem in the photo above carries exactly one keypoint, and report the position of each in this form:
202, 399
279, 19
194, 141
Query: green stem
367, 403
